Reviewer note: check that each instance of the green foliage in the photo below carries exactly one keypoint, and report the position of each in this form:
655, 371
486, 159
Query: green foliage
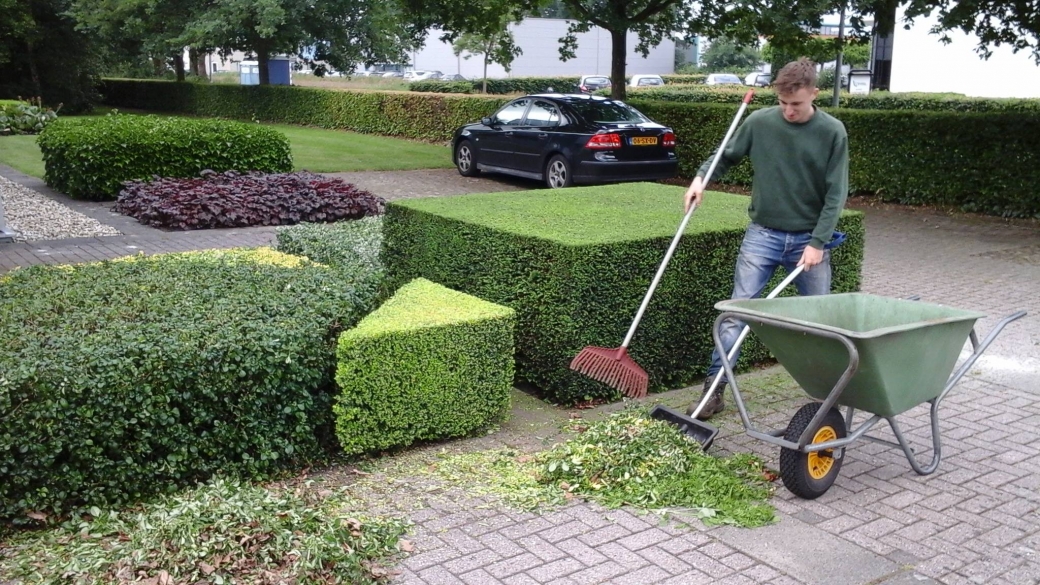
352, 245
575, 265
437, 86
971, 161
25, 117
131, 377
630, 459
409, 114
725, 55
684, 78
875, 100
431, 363
981, 162
90, 158
222, 532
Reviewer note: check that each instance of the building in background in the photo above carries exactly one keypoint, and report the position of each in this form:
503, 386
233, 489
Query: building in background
539, 40
915, 60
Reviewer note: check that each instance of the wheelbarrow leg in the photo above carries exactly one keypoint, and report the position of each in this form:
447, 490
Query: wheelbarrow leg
936, 442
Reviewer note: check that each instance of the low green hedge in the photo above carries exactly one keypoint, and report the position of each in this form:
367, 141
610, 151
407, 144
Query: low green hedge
90, 158
132, 377
878, 100
575, 265
431, 363
984, 162
684, 78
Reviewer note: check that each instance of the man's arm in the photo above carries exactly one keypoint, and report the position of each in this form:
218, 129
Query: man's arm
837, 182
737, 148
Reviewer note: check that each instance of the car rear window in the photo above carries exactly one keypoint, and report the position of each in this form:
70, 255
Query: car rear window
596, 80
607, 111
650, 81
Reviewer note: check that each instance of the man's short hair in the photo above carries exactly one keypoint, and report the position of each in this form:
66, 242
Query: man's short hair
796, 75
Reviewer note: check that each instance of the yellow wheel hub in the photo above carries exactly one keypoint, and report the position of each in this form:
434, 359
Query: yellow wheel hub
820, 462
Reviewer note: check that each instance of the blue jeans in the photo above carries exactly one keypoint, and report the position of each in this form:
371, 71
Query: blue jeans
763, 250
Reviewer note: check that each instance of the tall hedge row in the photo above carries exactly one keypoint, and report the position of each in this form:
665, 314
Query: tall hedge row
984, 162
981, 162
878, 100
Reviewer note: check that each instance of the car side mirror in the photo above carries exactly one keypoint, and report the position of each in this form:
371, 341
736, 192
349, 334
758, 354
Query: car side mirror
486, 121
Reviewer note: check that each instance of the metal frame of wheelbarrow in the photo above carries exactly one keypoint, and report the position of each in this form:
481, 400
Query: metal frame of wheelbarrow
803, 444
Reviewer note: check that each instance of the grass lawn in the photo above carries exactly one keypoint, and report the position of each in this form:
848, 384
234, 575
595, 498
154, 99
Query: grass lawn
313, 149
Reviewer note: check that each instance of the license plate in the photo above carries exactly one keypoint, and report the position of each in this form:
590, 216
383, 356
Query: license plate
644, 140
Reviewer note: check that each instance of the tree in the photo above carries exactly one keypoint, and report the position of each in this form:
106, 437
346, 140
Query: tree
43, 55
726, 55
335, 34
995, 22
496, 47
152, 29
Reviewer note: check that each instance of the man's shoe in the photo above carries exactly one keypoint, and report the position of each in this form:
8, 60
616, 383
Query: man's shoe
714, 405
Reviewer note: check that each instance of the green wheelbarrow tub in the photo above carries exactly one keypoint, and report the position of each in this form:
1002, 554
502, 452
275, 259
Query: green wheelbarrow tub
907, 349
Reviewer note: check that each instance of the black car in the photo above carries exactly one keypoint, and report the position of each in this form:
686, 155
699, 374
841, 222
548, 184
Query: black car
567, 139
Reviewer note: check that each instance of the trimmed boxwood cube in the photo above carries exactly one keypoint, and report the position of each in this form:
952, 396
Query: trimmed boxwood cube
575, 264
430, 363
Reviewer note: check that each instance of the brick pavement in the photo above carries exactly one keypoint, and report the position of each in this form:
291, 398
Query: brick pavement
974, 521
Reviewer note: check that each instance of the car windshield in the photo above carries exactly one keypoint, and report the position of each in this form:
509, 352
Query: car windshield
607, 111
650, 81
597, 80
727, 79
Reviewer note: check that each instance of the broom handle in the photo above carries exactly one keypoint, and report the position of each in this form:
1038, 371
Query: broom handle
682, 226
740, 340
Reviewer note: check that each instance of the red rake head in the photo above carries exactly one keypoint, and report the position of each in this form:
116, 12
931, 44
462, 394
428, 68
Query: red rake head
613, 367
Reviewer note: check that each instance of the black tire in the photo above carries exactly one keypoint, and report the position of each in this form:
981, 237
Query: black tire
558, 173
810, 475
466, 159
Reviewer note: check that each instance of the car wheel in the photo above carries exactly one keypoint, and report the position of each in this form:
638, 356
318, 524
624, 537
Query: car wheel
558, 173
466, 159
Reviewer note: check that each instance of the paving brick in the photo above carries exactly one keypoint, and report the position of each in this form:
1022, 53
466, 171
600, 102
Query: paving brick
622, 555
645, 575
479, 577
555, 570
584, 553
604, 535
438, 576
511, 566
643, 539
565, 531
599, 573
705, 564
541, 548
472, 561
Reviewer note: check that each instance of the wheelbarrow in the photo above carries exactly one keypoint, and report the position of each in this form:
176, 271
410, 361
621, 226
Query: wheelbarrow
859, 351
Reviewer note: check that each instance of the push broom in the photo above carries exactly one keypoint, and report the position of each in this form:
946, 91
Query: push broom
612, 365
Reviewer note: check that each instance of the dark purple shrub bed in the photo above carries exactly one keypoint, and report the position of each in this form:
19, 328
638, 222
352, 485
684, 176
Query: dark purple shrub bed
233, 199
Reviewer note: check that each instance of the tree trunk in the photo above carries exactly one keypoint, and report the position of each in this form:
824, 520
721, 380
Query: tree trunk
193, 61
485, 73
34, 74
158, 66
200, 66
263, 58
618, 52
178, 66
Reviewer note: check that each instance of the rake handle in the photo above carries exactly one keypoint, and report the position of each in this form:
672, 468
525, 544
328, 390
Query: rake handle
682, 227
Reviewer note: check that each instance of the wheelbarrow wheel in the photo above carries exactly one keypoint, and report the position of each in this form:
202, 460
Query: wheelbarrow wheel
810, 475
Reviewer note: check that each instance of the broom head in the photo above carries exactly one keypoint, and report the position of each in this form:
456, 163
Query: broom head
613, 367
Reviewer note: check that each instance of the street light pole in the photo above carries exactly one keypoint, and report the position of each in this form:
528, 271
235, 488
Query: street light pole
835, 100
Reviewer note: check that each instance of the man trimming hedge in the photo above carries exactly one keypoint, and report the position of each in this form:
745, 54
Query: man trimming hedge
800, 157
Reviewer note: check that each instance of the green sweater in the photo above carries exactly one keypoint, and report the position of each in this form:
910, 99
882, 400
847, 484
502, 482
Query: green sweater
801, 171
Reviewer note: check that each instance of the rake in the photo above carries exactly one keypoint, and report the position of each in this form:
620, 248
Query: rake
613, 366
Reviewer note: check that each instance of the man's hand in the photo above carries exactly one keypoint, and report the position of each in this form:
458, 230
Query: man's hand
810, 257
693, 194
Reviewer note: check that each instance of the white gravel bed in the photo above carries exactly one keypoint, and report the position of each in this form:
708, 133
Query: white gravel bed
36, 217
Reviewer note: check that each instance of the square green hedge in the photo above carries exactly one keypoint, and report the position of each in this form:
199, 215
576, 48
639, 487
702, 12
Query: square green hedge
430, 363
575, 265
